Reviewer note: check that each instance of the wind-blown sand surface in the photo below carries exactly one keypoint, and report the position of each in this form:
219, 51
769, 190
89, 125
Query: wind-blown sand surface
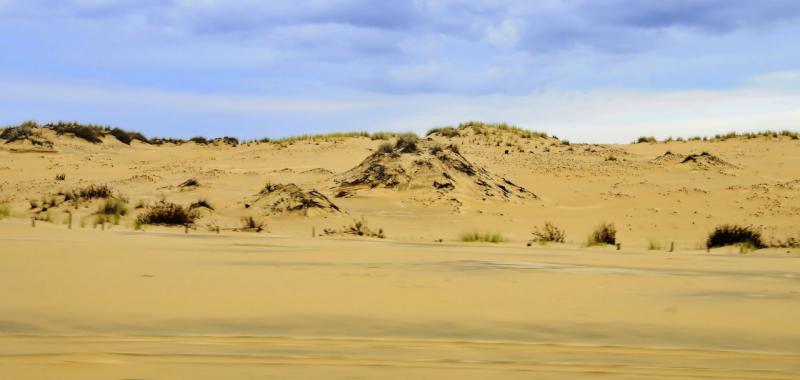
86, 303
97, 305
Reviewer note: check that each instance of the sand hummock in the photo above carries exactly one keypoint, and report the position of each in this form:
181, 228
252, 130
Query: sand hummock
290, 199
429, 168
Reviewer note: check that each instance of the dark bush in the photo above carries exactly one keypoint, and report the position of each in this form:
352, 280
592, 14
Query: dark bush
729, 234
605, 233
199, 140
91, 133
170, 214
23, 131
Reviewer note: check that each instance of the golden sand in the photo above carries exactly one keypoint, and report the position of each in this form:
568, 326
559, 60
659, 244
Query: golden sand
160, 303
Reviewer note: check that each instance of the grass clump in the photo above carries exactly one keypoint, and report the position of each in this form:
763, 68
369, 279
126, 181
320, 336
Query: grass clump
407, 143
5, 210
444, 132
486, 237
730, 234
169, 214
605, 233
110, 211
23, 131
113, 206
386, 148
95, 191
61, 177
549, 233
251, 224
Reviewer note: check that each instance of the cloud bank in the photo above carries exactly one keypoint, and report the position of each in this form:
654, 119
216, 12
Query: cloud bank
267, 65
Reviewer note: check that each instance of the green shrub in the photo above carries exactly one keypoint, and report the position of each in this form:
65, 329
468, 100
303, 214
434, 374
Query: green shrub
486, 237
729, 234
646, 139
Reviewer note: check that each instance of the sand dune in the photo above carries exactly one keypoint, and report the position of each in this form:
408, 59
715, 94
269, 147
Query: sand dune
109, 301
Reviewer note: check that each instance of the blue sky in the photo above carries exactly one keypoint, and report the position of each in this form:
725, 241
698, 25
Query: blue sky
587, 70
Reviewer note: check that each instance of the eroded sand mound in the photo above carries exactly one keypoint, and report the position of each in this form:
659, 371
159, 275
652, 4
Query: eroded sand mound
290, 199
704, 160
426, 167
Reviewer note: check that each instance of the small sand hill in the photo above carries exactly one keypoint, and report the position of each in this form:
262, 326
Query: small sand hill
26, 138
290, 199
702, 161
427, 167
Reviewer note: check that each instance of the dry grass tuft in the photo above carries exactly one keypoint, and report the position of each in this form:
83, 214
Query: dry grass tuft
549, 233
486, 237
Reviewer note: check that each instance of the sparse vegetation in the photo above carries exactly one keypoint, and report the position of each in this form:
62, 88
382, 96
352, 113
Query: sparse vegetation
730, 234
113, 206
201, 203
605, 233
726, 136
251, 224
88, 193
358, 228
386, 148
406, 143
127, 137
549, 233
167, 213
444, 132
653, 245
200, 140
486, 237
5, 210
61, 177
